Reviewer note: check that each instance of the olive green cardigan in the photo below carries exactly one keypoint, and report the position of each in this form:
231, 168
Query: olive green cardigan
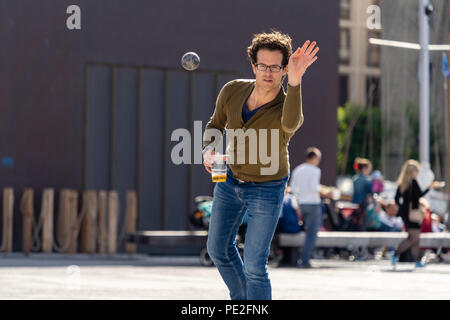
280, 117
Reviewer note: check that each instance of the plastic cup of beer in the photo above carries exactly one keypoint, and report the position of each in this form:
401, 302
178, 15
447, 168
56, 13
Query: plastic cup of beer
219, 169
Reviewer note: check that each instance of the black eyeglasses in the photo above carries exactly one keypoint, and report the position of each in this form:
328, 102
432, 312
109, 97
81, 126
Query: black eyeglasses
263, 67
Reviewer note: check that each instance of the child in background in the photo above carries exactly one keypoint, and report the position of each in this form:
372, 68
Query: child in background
389, 220
377, 182
436, 224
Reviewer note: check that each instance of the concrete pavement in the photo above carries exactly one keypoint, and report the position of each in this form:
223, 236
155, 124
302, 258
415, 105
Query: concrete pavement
59, 276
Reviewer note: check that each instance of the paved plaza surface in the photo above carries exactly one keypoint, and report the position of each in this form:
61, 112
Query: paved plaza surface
122, 277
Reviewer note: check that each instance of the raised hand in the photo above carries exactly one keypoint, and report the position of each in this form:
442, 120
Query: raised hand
437, 185
299, 61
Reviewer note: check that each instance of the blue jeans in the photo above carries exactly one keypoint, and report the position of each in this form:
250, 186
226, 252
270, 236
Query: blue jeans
262, 202
312, 220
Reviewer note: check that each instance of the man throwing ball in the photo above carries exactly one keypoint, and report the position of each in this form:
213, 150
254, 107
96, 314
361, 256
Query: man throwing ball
257, 114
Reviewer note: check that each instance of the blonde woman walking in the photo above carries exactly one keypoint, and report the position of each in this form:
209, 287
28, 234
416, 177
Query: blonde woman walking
407, 198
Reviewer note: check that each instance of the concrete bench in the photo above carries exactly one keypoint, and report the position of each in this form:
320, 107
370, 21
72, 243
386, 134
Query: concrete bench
192, 242
169, 242
329, 239
333, 239
291, 243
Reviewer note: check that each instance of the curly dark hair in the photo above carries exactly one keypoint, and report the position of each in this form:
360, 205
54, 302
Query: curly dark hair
274, 40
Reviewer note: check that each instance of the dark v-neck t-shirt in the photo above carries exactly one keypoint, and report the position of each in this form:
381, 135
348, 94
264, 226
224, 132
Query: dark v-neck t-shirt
246, 114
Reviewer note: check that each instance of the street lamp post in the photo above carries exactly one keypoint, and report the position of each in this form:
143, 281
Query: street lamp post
424, 78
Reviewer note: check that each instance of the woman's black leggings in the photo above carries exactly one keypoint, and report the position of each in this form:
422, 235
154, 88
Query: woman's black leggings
411, 242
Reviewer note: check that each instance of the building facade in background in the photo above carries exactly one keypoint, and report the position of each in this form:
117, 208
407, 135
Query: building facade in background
386, 77
359, 62
400, 87
95, 108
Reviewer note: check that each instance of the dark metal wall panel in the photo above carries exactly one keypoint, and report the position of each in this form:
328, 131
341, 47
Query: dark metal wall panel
97, 130
222, 79
124, 134
151, 164
178, 104
204, 99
